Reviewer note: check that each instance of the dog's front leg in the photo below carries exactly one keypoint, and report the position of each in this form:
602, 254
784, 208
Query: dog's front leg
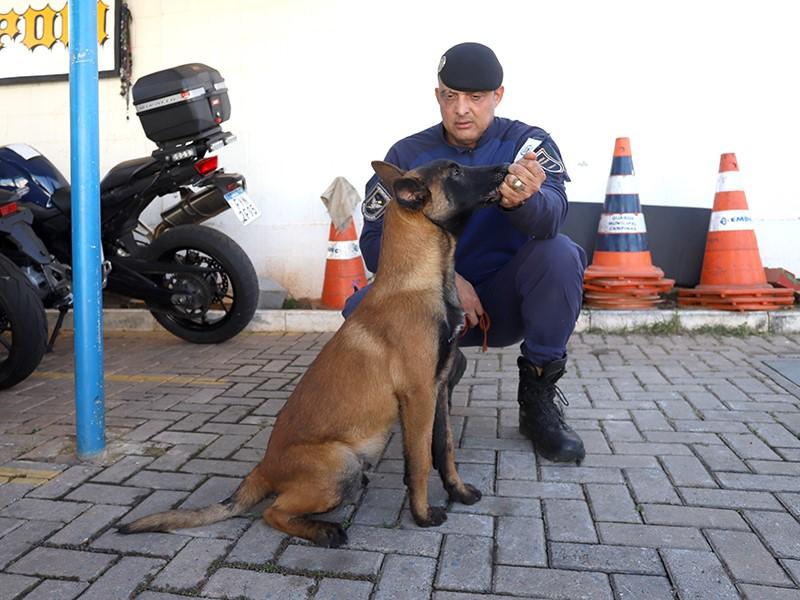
416, 419
444, 458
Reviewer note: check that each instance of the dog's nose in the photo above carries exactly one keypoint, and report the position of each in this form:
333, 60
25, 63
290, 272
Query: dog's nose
502, 171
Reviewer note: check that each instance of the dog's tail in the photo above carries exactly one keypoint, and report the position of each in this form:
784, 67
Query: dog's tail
251, 491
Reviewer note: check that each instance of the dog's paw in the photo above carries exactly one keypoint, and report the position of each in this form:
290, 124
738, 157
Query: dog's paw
469, 495
330, 535
435, 517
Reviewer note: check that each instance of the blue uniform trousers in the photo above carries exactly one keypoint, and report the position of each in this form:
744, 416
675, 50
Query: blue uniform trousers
535, 298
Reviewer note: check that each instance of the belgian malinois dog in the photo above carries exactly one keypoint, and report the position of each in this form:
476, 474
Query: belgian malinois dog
391, 358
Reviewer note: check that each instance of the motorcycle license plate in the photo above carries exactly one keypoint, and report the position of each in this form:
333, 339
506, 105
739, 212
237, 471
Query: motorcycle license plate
243, 206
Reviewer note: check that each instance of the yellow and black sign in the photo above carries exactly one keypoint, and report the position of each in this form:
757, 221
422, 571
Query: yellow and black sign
34, 39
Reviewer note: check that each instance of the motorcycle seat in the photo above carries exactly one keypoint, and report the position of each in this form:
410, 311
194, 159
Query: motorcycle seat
124, 172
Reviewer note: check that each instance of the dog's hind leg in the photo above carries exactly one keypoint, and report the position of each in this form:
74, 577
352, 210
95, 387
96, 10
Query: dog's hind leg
289, 514
444, 454
416, 418
327, 473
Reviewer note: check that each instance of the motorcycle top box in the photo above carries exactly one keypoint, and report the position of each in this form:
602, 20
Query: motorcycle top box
181, 103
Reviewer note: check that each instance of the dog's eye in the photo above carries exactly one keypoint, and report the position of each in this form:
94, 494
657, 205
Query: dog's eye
455, 169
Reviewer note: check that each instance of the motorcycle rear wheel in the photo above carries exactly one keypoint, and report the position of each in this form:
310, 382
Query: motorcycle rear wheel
232, 284
23, 325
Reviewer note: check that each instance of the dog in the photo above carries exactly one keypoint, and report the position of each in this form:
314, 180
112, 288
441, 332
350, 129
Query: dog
390, 359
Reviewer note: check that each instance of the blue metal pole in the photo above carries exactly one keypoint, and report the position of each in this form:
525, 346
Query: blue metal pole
86, 247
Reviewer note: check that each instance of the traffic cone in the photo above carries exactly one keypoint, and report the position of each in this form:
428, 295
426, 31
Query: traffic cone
622, 274
732, 277
344, 269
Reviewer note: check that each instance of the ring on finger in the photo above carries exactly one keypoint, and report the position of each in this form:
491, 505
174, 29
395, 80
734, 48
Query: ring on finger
517, 185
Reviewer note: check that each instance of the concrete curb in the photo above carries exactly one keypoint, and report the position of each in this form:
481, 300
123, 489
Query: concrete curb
610, 321
691, 320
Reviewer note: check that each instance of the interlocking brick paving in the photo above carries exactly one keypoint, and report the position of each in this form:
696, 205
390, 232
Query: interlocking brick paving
689, 488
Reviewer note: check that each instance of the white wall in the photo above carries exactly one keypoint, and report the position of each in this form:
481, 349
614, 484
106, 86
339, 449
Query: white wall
321, 88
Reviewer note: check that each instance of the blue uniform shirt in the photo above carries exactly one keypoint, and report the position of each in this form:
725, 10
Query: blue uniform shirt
493, 235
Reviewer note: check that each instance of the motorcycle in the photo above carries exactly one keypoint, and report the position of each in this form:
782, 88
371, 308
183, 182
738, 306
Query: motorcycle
23, 322
198, 283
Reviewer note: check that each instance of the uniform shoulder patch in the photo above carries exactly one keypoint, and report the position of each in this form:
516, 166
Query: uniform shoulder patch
548, 158
375, 203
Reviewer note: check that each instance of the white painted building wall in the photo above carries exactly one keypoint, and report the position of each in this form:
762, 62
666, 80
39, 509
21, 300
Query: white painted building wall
319, 88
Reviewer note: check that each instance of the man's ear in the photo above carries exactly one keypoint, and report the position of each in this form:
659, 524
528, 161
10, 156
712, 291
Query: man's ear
387, 172
410, 192
498, 95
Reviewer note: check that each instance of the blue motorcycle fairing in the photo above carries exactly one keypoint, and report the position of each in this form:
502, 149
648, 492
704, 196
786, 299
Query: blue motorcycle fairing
43, 178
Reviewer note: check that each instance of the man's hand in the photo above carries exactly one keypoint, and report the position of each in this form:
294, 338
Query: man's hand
525, 178
469, 300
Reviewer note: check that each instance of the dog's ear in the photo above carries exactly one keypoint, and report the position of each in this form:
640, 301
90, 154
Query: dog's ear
410, 192
387, 172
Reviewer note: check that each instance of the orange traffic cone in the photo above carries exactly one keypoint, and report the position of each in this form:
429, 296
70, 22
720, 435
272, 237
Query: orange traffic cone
733, 277
344, 269
622, 274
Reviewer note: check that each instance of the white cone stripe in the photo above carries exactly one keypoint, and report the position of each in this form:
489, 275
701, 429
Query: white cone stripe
343, 250
611, 223
622, 184
729, 181
730, 220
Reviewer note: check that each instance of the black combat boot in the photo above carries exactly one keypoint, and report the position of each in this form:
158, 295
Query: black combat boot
540, 419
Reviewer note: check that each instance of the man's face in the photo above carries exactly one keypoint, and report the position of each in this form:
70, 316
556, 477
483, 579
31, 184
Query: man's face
466, 115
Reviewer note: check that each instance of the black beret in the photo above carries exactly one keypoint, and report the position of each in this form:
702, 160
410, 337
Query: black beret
470, 67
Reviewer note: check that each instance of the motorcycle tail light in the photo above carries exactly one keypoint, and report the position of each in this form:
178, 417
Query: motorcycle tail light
207, 165
8, 209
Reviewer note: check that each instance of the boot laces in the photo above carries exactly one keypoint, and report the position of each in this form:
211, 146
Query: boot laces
545, 404
555, 391
561, 397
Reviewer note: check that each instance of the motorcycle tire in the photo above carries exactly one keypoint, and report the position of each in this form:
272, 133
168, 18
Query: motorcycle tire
23, 325
233, 269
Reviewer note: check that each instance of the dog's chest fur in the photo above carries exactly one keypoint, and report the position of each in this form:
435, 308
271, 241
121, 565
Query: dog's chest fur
451, 325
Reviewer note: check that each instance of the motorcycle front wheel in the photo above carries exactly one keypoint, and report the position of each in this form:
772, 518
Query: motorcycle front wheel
224, 299
23, 325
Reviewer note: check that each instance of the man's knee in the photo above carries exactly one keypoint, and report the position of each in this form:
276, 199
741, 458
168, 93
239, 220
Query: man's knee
563, 253
557, 258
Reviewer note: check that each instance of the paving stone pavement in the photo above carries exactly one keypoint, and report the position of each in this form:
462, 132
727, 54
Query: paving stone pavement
690, 488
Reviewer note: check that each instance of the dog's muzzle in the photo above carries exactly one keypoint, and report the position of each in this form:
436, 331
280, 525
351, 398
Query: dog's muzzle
500, 175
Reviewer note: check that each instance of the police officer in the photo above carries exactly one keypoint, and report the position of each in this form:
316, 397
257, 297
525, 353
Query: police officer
511, 262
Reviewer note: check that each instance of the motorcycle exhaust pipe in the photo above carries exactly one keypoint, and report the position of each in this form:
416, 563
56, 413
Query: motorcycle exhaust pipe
193, 210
